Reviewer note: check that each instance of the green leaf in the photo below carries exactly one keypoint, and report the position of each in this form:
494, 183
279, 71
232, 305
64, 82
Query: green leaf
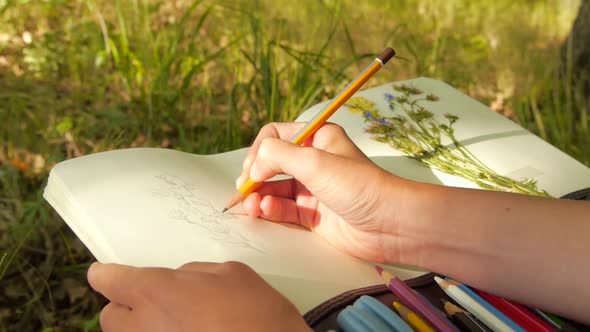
64, 125
92, 323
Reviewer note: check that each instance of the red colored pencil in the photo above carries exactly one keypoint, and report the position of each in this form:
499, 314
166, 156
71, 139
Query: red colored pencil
517, 312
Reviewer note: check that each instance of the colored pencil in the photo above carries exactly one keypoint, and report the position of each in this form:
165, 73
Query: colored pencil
319, 119
451, 288
490, 307
428, 302
463, 319
549, 318
517, 312
417, 303
380, 310
412, 318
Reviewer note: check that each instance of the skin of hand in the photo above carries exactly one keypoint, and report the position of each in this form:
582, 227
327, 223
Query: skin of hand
336, 191
529, 249
195, 297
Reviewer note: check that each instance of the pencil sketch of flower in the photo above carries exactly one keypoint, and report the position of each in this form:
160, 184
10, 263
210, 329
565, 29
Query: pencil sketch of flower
179, 215
198, 211
414, 130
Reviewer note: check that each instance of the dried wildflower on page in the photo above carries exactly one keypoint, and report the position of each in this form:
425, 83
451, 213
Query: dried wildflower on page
415, 131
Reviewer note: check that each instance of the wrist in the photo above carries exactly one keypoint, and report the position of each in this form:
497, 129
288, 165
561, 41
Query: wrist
409, 211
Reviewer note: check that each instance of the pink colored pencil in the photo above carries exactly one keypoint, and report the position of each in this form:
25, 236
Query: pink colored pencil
416, 303
517, 312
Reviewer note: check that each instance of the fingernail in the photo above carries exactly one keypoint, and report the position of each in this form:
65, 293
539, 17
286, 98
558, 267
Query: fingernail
247, 162
254, 174
240, 181
92, 270
95, 265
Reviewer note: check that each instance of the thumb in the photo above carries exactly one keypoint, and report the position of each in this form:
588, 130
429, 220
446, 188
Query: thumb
115, 282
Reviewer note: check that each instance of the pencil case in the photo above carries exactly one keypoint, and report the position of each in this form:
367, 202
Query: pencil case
323, 317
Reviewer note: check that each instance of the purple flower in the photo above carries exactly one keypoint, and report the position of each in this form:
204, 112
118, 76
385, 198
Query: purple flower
389, 97
382, 121
368, 115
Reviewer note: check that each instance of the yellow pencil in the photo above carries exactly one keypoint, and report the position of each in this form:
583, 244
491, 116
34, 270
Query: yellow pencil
318, 121
412, 318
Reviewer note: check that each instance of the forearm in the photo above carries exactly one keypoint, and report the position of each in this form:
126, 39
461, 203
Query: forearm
525, 248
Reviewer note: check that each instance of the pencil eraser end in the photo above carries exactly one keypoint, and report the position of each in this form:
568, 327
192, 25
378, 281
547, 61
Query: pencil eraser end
387, 54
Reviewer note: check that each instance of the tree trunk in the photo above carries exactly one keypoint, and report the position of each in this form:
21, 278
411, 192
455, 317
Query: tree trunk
575, 51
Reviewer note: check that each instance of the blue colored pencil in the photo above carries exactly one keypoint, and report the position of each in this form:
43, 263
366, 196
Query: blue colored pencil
489, 307
380, 310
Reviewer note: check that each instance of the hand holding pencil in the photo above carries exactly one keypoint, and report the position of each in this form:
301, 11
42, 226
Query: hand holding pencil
310, 128
319, 196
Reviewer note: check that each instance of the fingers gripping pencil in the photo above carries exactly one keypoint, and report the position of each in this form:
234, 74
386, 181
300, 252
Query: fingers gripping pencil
320, 119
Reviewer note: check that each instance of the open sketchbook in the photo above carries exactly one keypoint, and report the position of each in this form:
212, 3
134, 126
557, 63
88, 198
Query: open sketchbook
158, 207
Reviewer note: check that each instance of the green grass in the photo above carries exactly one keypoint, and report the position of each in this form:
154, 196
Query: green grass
83, 76
558, 113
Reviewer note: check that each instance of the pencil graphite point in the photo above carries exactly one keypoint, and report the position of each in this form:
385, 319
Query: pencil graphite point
450, 308
224, 209
385, 275
441, 282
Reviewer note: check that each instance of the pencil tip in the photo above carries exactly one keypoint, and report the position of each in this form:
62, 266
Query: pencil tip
379, 269
224, 209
